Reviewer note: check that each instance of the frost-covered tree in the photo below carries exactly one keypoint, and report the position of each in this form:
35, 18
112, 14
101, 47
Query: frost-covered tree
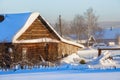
62, 28
92, 24
78, 26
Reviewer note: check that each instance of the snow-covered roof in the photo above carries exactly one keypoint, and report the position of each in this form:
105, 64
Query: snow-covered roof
111, 33
15, 25
11, 24
27, 24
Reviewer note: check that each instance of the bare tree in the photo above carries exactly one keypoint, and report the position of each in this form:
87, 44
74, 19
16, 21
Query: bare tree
92, 24
82, 26
78, 26
64, 27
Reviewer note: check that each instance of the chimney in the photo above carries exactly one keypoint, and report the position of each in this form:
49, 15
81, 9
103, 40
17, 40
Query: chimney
60, 25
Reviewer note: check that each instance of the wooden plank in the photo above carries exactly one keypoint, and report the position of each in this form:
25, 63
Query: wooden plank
100, 50
108, 48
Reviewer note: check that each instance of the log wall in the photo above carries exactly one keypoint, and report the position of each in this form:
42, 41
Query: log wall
35, 51
67, 49
37, 30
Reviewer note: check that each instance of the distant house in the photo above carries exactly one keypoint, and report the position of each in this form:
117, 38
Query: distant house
111, 36
85, 41
91, 41
30, 37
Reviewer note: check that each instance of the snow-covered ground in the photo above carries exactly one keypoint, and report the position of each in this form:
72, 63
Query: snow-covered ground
108, 58
63, 75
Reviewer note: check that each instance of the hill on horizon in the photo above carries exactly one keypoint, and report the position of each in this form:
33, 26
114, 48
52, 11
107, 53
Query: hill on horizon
108, 24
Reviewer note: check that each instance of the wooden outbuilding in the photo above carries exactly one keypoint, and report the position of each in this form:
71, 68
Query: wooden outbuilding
32, 38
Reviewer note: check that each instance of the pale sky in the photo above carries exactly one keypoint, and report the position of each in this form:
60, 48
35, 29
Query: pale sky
107, 10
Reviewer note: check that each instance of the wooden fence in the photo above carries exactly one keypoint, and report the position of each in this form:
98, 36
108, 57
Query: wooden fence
100, 50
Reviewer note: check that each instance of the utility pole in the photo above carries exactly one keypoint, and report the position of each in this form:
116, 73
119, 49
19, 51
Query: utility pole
88, 34
60, 26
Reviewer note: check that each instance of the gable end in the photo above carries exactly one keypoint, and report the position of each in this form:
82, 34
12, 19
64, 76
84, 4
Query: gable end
38, 29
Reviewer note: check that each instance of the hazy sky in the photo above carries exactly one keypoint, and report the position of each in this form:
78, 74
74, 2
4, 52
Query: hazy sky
107, 10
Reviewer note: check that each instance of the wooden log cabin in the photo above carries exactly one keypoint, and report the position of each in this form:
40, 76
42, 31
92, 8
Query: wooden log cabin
28, 36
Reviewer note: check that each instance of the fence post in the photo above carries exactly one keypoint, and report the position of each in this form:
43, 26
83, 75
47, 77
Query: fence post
99, 52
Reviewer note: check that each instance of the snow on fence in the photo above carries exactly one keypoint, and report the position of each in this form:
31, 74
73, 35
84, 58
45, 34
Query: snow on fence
63, 67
